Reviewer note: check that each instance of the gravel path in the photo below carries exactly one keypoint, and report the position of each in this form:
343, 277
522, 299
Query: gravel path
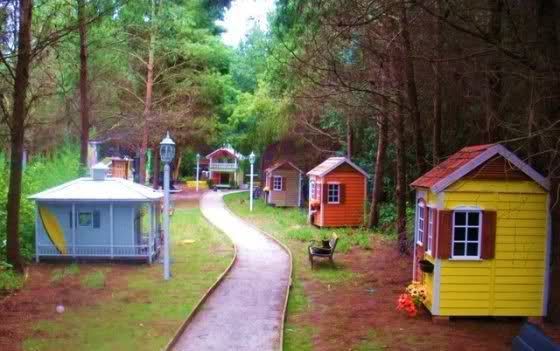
245, 311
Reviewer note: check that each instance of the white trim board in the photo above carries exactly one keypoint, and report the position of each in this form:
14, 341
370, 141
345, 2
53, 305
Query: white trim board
337, 162
485, 156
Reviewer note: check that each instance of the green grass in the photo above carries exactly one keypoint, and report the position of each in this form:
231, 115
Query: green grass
371, 343
9, 280
146, 312
289, 225
94, 280
59, 274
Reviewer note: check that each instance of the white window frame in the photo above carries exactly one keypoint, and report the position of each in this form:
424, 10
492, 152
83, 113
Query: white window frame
312, 190
420, 204
90, 225
337, 184
274, 179
466, 210
431, 230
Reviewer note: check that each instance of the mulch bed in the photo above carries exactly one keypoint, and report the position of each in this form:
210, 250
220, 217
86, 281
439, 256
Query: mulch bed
40, 296
346, 314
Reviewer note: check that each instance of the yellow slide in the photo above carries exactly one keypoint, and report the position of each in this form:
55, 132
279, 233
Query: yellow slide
53, 229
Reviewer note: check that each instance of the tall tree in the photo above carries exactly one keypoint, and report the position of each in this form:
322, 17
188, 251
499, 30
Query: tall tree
84, 84
17, 131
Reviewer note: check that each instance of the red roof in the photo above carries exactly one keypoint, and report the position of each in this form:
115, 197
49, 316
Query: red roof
447, 167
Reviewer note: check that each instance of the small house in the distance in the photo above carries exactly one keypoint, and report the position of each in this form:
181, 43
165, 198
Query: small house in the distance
224, 169
337, 193
482, 239
283, 185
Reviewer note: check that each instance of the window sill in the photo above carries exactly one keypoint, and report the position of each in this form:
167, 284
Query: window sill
465, 259
333, 203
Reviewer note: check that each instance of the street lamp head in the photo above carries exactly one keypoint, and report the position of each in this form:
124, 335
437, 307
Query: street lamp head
252, 157
167, 149
197, 156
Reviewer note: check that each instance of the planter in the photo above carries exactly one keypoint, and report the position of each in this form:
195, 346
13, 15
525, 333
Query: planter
426, 266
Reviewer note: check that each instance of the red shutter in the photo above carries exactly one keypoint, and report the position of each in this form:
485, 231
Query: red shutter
342, 194
325, 193
488, 240
444, 233
284, 183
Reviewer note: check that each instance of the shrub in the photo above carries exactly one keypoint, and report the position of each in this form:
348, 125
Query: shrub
9, 280
41, 173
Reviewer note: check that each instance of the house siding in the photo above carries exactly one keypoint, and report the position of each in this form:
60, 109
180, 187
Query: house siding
512, 283
351, 211
288, 197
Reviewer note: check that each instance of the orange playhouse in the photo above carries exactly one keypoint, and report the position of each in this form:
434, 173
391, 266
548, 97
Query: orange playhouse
337, 193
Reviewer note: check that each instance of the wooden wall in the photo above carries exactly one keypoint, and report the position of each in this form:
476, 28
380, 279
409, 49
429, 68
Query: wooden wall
554, 300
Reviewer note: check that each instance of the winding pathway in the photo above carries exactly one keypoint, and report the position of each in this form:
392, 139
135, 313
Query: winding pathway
245, 311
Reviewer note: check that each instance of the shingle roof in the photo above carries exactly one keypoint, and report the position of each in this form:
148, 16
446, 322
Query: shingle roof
466, 160
280, 164
330, 164
110, 189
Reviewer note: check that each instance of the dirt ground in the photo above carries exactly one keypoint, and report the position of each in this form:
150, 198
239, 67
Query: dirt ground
40, 296
350, 313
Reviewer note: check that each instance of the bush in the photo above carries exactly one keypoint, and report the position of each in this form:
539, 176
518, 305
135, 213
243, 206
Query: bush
41, 173
9, 280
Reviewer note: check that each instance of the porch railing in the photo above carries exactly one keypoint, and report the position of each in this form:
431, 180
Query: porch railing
223, 166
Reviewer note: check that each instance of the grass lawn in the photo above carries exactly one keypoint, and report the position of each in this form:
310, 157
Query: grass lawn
130, 307
289, 225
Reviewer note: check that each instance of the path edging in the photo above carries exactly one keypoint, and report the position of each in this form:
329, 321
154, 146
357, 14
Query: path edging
283, 246
203, 299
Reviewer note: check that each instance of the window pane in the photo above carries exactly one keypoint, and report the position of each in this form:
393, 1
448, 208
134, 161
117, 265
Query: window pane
460, 218
459, 249
473, 218
84, 219
472, 234
472, 249
459, 234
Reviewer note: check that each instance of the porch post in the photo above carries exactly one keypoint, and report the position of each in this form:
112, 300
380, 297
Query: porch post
299, 190
36, 232
150, 235
111, 230
74, 225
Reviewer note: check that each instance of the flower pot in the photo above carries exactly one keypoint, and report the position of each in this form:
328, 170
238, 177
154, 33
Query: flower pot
426, 266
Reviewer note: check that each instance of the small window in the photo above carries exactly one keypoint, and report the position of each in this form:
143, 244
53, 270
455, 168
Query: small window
466, 233
431, 228
277, 183
420, 218
85, 219
313, 190
333, 194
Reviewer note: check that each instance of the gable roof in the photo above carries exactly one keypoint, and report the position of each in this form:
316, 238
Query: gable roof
466, 160
110, 189
280, 164
331, 163
224, 150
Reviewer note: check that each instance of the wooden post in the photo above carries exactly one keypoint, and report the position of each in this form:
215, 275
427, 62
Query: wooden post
74, 225
151, 233
111, 229
37, 223
554, 292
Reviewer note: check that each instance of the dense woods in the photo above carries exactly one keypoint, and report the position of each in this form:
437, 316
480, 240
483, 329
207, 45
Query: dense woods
395, 85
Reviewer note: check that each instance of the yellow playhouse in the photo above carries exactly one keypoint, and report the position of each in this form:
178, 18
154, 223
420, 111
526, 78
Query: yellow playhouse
482, 238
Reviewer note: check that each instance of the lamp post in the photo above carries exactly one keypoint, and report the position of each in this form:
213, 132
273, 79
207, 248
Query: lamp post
197, 169
252, 161
167, 152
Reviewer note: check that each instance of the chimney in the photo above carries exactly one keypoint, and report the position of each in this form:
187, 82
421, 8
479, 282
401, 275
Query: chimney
99, 171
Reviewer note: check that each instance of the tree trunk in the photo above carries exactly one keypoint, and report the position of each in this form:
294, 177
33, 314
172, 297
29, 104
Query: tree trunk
379, 168
156, 170
349, 139
84, 86
148, 97
401, 179
437, 99
493, 76
412, 92
17, 133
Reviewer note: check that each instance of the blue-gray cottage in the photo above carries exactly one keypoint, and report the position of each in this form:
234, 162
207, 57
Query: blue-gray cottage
98, 217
